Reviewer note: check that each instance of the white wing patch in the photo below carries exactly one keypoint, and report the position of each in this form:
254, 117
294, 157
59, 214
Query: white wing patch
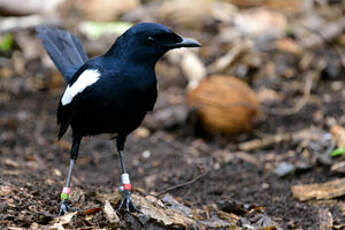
87, 78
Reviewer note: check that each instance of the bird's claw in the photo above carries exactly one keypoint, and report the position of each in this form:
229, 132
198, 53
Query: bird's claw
65, 207
127, 202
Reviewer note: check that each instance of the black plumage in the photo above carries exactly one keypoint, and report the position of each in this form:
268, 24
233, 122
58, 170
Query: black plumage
111, 93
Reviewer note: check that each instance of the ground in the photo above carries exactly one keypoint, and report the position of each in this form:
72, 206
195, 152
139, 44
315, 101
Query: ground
34, 162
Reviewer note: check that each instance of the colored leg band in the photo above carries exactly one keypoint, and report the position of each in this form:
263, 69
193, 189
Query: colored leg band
125, 178
127, 187
126, 183
65, 193
66, 190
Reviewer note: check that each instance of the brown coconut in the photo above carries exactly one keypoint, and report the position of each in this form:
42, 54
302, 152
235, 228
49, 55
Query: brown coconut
224, 104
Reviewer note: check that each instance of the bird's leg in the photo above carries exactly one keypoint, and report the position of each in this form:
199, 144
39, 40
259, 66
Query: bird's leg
126, 187
66, 191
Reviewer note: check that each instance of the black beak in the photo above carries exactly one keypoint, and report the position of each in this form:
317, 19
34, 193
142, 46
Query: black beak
186, 42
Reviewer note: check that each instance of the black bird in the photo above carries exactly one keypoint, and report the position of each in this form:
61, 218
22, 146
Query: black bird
111, 93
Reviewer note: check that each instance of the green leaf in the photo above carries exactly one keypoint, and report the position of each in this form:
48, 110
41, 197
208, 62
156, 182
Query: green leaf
6, 43
338, 152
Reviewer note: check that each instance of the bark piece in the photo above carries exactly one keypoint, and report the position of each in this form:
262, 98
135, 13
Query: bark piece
328, 190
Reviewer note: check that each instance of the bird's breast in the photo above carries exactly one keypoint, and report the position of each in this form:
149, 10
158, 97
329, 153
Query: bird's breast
125, 96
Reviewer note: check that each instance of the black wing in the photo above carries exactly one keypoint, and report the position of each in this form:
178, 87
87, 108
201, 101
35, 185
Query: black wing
66, 113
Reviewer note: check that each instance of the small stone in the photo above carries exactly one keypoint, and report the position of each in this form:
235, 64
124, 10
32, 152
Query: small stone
285, 168
337, 85
146, 154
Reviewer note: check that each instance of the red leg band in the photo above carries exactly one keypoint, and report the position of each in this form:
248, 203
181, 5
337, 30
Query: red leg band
127, 187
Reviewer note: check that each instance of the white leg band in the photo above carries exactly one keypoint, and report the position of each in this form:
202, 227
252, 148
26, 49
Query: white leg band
125, 178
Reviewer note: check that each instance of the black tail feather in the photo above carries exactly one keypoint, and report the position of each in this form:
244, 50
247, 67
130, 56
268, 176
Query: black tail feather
64, 49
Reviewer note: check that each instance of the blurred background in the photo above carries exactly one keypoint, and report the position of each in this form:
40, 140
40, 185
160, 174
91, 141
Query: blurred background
253, 114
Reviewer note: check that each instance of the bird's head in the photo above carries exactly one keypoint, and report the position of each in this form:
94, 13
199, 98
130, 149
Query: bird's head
147, 42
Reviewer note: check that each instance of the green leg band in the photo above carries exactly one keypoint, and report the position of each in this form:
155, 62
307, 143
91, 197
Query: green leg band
64, 196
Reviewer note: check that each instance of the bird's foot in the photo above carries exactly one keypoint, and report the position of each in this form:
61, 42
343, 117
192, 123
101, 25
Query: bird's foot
127, 202
65, 207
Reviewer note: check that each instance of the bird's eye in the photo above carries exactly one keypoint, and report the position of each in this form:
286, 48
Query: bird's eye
151, 40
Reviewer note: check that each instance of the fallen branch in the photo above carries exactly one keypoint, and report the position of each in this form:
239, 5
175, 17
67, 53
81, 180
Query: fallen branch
182, 184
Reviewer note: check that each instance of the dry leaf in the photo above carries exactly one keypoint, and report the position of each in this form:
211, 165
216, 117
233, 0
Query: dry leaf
217, 223
110, 213
341, 206
154, 210
325, 219
288, 45
338, 167
90, 211
61, 220
11, 163
5, 190
232, 218
338, 134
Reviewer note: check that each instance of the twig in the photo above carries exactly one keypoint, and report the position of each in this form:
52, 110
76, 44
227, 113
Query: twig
229, 58
269, 140
300, 104
264, 142
183, 184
